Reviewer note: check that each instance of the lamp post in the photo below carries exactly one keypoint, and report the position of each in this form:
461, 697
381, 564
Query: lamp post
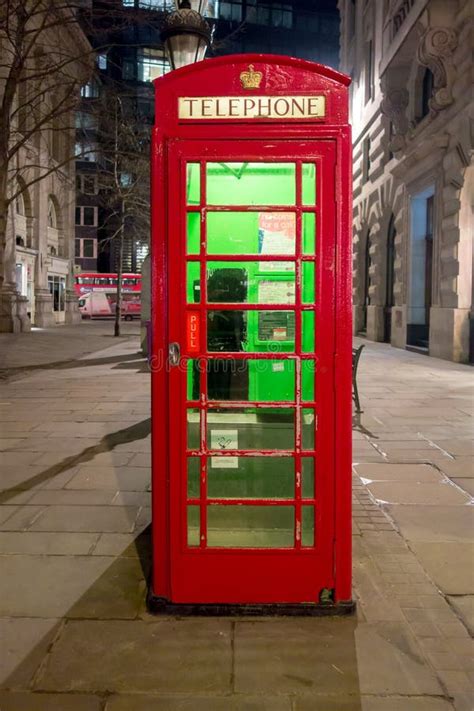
185, 33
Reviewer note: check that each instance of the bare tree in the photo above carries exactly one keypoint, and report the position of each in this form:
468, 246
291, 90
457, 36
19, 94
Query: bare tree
44, 60
123, 176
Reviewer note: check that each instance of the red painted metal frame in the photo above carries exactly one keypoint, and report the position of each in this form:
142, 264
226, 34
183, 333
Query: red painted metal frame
182, 574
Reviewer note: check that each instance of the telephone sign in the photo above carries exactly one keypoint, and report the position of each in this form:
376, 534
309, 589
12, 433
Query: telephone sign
251, 311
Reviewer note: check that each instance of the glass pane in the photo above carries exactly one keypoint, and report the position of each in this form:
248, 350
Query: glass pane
308, 335
251, 232
251, 184
307, 485
193, 184
193, 287
308, 370
193, 525
308, 283
250, 526
308, 426
193, 384
251, 282
309, 233
250, 428
250, 477
251, 331
256, 379
193, 428
307, 526
309, 184
194, 477
193, 232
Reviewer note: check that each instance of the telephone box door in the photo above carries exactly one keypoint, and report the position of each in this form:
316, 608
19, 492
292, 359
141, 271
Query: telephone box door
251, 300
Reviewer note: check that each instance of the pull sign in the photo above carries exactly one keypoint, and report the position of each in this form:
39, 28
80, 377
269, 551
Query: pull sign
193, 330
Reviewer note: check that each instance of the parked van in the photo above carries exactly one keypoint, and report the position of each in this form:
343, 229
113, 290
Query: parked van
99, 304
95, 304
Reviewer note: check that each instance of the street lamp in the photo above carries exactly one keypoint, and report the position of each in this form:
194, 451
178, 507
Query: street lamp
186, 34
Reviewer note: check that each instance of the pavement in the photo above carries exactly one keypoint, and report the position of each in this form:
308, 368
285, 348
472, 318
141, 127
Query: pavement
75, 549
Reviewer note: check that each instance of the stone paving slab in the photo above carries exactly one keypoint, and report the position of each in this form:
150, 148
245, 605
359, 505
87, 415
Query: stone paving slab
126, 478
23, 642
119, 519
390, 661
466, 485
394, 492
459, 467
58, 497
405, 703
123, 544
464, 606
449, 564
434, 523
301, 655
35, 477
199, 703
27, 542
26, 701
413, 473
22, 518
53, 586
180, 656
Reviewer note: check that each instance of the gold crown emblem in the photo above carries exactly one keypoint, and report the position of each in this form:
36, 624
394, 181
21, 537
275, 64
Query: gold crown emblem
251, 79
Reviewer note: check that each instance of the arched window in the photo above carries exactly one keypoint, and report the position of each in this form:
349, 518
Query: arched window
52, 215
20, 205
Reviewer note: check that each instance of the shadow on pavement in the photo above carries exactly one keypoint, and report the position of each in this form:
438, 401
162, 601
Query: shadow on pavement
107, 646
6, 373
135, 432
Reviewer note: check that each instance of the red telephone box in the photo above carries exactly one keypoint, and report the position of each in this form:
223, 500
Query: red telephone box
251, 355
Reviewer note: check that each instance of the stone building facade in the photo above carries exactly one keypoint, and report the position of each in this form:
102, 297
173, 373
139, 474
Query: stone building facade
37, 261
412, 115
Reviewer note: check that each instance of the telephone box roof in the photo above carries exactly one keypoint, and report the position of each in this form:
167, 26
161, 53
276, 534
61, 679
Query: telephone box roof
269, 60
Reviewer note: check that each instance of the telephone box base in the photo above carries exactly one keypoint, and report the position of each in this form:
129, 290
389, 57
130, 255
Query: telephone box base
161, 606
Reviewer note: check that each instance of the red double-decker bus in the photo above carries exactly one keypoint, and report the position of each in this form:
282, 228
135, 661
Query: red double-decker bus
92, 281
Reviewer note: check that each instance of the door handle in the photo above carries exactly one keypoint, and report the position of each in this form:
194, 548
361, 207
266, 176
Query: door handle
174, 353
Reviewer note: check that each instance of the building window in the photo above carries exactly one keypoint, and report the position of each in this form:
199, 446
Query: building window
57, 287
52, 215
86, 183
150, 4
232, 11
369, 71
85, 248
156, 4
102, 61
86, 216
85, 120
151, 64
86, 150
366, 159
212, 9
272, 14
20, 205
90, 90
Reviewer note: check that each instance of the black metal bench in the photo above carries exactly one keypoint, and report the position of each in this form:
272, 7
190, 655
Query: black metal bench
356, 352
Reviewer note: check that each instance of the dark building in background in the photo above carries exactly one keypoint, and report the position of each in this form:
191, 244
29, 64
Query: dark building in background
87, 187
127, 36
308, 29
